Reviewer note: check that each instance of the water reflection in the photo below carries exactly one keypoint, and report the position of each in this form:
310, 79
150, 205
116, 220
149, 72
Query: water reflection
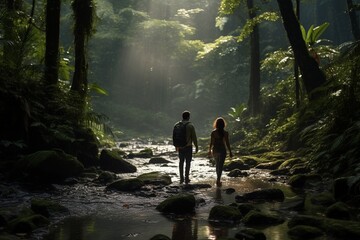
185, 229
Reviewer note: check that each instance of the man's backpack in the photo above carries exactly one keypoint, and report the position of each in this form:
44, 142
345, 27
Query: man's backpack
179, 134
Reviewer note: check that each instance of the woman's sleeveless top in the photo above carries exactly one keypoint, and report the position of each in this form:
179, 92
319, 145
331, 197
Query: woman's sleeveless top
219, 143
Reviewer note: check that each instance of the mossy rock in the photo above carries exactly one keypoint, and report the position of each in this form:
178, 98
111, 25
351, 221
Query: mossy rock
270, 165
156, 178
305, 232
256, 218
51, 165
276, 155
237, 173
250, 234
145, 153
270, 194
111, 161
178, 204
251, 161
323, 199
225, 214
27, 224
160, 237
338, 210
235, 164
297, 181
290, 163
340, 229
46, 207
126, 185
158, 160
245, 208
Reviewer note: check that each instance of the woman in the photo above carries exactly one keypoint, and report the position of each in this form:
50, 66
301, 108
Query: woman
218, 144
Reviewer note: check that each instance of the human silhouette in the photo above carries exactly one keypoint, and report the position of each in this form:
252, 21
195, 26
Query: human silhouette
185, 152
218, 144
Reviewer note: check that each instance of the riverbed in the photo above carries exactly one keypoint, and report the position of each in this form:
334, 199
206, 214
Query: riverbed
96, 214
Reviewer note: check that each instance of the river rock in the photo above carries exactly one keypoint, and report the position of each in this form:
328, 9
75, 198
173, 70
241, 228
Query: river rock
270, 165
126, 185
338, 210
224, 214
245, 208
158, 160
256, 218
27, 223
250, 234
160, 237
271, 194
110, 161
178, 204
46, 207
145, 153
290, 163
237, 173
296, 203
236, 164
297, 181
340, 229
324, 199
53, 165
155, 178
305, 232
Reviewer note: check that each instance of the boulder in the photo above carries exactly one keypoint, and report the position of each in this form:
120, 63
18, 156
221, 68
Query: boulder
296, 203
297, 181
158, 160
271, 194
126, 185
111, 161
324, 199
256, 218
160, 237
236, 164
305, 232
224, 214
27, 223
270, 165
339, 229
245, 208
51, 165
237, 173
178, 204
338, 210
250, 234
46, 207
145, 153
155, 178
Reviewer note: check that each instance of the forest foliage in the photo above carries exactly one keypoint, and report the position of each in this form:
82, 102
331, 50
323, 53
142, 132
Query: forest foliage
145, 61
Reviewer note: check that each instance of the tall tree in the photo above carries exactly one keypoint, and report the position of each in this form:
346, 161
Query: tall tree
353, 19
254, 93
9, 28
52, 41
83, 12
312, 76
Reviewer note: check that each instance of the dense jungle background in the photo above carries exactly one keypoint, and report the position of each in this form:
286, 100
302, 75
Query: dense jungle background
129, 68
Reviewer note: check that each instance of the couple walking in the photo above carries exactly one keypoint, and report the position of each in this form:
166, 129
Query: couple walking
219, 143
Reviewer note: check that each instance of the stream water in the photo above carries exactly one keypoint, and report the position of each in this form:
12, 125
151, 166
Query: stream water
99, 215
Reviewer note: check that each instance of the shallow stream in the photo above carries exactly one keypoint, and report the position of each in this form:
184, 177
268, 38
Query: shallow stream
99, 215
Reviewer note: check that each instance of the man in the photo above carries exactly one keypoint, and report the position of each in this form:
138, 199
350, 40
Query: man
185, 153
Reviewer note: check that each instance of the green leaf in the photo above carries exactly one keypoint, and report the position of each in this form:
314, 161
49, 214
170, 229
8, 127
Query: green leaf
96, 88
319, 30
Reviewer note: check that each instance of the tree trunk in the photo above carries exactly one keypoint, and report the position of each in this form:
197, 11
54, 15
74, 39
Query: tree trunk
52, 41
79, 83
353, 19
254, 93
312, 76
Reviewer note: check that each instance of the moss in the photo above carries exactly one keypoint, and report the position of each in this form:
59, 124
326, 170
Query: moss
338, 210
46, 207
297, 181
258, 218
225, 214
26, 224
290, 163
305, 232
179, 204
156, 178
126, 185
323, 199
